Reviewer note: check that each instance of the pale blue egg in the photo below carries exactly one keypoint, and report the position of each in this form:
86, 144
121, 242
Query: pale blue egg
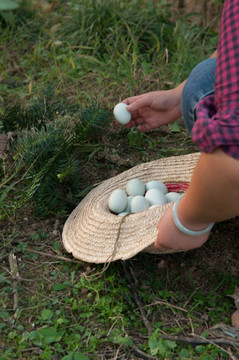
172, 196
139, 203
135, 187
118, 201
155, 197
121, 114
155, 184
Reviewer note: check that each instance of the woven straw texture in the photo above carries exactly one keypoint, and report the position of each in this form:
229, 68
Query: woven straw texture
93, 234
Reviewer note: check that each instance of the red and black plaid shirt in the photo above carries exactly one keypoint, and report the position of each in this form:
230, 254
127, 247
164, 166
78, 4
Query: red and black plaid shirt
217, 123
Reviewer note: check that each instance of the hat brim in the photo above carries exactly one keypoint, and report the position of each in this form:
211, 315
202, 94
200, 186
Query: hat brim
93, 234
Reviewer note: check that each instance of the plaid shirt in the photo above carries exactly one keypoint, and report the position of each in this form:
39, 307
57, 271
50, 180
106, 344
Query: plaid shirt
217, 123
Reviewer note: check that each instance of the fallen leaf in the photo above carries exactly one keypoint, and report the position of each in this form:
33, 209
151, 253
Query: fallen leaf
235, 319
235, 296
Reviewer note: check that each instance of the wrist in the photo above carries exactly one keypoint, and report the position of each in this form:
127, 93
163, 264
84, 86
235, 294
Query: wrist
189, 216
177, 95
192, 229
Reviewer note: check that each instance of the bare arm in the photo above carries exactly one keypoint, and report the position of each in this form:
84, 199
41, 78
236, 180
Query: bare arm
156, 108
213, 195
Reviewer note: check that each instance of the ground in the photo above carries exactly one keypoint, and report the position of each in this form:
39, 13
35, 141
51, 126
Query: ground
182, 293
56, 307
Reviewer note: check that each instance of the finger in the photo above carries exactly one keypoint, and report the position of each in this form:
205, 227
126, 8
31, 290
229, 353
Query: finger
134, 122
144, 127
162, 247
136, 116
131, 99
139, 103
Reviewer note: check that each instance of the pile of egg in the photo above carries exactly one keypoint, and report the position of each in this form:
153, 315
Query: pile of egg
139, 197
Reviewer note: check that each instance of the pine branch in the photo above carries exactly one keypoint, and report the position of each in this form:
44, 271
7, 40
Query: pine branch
48, 161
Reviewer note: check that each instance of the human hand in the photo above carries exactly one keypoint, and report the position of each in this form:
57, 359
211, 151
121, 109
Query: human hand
154, 109
171, 238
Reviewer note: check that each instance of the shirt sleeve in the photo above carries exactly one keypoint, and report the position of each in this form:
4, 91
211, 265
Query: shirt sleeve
217, 115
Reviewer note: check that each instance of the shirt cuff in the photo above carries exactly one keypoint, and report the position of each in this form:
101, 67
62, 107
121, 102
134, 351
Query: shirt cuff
214, 129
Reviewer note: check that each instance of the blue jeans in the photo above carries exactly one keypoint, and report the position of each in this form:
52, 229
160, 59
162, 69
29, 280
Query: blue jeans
199, 84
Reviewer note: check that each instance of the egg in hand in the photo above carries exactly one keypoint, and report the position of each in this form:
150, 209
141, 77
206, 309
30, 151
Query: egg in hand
121, 114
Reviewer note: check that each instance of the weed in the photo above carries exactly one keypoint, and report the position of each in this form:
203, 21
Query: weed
57, 60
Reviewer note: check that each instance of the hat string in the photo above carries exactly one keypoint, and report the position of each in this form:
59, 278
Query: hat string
107, 263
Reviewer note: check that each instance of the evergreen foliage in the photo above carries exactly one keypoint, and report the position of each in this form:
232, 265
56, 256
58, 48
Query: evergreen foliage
36, 112
49, 156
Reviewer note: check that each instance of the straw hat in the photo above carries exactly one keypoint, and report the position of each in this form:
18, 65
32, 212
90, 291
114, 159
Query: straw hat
93, 234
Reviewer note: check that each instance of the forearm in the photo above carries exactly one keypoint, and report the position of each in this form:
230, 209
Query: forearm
213, 194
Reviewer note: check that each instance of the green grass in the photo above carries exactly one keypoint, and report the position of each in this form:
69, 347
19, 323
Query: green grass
101, 49
60, 67
63, 314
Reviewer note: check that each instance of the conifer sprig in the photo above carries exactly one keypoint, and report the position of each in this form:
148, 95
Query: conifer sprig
49, 160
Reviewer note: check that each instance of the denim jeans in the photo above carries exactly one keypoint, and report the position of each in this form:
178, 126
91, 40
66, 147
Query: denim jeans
199, 84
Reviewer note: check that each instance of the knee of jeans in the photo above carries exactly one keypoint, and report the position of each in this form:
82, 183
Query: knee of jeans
188, 104
199, 84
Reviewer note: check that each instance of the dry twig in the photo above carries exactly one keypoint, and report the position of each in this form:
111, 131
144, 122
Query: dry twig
196, 340
15, 274
133, 282
193, 341
53, 256
142, 354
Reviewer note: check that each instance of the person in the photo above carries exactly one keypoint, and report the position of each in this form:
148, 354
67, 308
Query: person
209, 103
